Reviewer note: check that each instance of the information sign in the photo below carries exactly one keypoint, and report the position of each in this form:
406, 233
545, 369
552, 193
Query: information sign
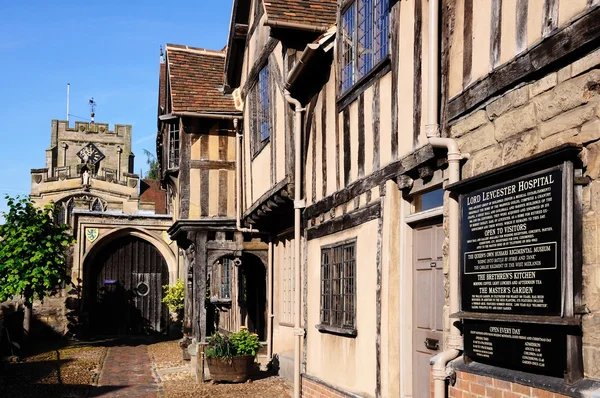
527, 347
511, 255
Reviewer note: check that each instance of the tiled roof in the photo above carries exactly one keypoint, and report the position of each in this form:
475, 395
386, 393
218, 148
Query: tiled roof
196, 80
319, 13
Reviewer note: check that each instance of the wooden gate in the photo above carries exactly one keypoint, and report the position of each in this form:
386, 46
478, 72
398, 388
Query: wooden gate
124, 290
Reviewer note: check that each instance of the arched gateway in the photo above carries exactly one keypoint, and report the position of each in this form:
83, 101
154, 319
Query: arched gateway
123, 287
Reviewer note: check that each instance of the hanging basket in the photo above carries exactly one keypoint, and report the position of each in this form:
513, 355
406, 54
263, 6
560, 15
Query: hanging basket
235, 370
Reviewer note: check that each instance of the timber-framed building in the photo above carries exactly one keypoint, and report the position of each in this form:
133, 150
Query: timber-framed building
367, 130
225, 270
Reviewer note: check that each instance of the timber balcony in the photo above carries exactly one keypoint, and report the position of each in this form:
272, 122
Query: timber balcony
273, 211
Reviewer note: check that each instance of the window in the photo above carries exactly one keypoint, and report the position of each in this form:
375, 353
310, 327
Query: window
287, 282
338, 287
226, 278
365, 30
261, 112
429, 200
173, 145
97, 205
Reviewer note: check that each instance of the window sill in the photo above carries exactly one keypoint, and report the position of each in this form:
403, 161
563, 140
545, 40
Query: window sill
337, 330
350, 95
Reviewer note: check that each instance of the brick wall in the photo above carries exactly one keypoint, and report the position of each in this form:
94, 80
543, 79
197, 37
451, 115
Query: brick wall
150, 192
473, 386
313, 389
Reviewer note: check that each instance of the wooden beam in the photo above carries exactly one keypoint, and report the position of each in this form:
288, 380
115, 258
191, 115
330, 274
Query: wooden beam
418, 72
346, 221
324, 157
521, 32
347, 144
496, 33
549, 17
266, 209
240, 31
395, 62
212, 164
361, 136
467, 42
377, 178
375, 120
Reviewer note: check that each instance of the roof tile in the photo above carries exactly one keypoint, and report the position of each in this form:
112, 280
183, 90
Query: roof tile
320, 13
196, 80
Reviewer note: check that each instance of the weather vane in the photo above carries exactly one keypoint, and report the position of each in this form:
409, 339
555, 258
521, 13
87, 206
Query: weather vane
92, 110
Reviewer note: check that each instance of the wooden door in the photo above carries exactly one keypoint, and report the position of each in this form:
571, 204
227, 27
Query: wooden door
428, 302
125, 288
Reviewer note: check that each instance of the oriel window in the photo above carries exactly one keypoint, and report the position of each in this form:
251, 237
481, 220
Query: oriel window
365, 39
173, 145
338, 285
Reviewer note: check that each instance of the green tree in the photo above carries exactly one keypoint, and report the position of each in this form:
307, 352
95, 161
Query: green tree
33, 253
152, 173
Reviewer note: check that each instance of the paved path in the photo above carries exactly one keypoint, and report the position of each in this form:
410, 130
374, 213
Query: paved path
127, 372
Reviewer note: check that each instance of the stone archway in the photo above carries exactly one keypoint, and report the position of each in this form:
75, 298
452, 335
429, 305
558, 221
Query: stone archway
122, 289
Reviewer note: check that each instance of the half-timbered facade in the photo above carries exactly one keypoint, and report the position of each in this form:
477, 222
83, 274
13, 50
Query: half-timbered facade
397, 99
225, 270
328, 172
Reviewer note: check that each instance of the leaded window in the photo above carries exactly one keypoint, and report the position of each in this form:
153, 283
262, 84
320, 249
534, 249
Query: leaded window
173, 145
338, 285
263, 104
365, 33
261, 110
226, 278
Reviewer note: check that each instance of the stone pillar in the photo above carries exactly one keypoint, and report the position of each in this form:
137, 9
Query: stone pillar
64, 146
119, 151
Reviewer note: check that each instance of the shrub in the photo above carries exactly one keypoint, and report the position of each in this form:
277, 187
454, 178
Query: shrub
175, 296
239, 343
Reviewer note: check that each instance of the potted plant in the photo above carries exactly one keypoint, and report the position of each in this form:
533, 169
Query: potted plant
231, 358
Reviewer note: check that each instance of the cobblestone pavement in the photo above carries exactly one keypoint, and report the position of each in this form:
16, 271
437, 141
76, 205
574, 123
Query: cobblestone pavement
127, 372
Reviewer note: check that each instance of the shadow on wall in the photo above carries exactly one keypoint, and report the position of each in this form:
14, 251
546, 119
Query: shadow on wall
12, 333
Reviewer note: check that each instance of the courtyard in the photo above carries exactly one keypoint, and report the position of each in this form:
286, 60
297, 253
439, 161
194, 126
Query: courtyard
123, 367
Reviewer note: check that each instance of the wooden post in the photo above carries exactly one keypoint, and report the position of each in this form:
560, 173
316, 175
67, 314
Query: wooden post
199, 315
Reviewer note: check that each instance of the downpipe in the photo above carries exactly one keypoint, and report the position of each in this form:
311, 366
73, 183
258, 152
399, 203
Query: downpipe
299, 204
440, 371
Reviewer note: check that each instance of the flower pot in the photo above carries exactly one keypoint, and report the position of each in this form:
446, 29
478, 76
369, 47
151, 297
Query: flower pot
236, 369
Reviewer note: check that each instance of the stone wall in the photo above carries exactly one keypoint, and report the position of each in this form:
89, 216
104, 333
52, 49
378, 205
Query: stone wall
561, 107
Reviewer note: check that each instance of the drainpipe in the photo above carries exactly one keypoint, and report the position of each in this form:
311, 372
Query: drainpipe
299, 204
440, 361
238, 180
270, 301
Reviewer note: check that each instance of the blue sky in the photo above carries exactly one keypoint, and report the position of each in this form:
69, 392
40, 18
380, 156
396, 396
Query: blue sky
105, 49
